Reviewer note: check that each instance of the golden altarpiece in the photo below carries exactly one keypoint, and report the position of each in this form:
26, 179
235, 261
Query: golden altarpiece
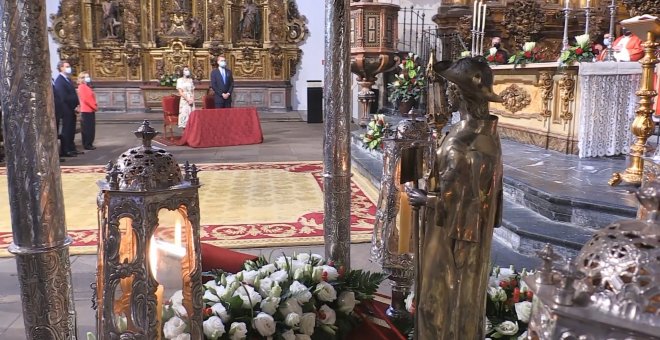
541, 100
129, 45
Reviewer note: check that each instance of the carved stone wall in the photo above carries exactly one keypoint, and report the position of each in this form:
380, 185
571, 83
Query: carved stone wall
126, 43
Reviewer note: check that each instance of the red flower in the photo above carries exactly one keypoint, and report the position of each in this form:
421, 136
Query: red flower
499, 58
504, 284
490, 58
530, 295
514, 283
324, 276
579, 51
208, 312
516, 295
528, 54
342, 269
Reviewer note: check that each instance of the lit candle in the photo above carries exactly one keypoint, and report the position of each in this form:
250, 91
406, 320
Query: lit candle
474, 16
405, 216
483, 19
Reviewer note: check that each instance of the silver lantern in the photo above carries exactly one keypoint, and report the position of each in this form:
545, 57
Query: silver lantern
149, 245
611, 290
392, 244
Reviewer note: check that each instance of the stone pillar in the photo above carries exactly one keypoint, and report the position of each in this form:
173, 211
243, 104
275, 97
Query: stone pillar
336, 142
41, 244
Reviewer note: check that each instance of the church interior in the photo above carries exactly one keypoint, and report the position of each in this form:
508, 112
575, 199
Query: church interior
306, 169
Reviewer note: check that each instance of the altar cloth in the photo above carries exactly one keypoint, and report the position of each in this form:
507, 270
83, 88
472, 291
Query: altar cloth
222, 127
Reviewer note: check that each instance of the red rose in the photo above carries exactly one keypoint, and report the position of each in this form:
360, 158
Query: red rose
528, 54
516, 295
514, 283
504, 284
208, 311
490, 58
579, 51
499, 58
530, 295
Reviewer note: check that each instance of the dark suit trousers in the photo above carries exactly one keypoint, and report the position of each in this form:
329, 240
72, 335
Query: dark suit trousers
221, 102
68, 132
88, 128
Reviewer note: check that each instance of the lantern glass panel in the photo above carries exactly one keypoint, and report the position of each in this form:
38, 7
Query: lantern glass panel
122, 305
128, 243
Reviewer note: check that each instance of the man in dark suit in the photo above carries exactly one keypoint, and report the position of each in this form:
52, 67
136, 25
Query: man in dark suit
222, 83
66, 103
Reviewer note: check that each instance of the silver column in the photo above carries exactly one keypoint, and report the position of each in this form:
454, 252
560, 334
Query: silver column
40, 242
336, 141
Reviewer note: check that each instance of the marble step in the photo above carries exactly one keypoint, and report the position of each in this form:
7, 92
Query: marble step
526, 232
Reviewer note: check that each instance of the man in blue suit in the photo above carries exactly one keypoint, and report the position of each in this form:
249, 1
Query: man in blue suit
222, 83
66, 103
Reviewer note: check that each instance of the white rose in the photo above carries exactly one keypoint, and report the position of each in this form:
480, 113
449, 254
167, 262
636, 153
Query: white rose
297, 264
249, 296
582, 40
465, 54
304, 257
507, 328
523, 311
497, 294
303, 337
492, 51
209, 296
288, 335
299, 274
281, 261
333, 274
317, 274
180, 310
173, 327
276, 291
177, 298
182, 336
326, 292
307, 323
299, 292
267, 269
264, 324
265, 285
291, 306
523, 336
238, 331
250, 276
231, 279
279, 276
327, 315
529, 46
488, 325
213, 328
292, 320
317, 257
211, 284
219, 310
409, 302
269, 305
346, 302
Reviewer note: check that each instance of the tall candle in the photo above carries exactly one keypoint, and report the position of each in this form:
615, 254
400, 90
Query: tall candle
159, 308
566, 4
474, 16
483, 18
405, 216
477, 12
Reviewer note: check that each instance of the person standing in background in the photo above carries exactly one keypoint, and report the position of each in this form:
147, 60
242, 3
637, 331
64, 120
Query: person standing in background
66, 104
627, 47
88, 107
186, 89
222, 83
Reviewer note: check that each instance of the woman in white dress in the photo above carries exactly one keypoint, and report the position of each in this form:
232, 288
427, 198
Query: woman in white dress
187, 92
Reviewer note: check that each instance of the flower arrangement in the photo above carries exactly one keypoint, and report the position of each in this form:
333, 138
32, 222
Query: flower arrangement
466, 54
375, 132
509, 305
529, 54
294, 298
580, 52
409, 83
495, 58
168, 80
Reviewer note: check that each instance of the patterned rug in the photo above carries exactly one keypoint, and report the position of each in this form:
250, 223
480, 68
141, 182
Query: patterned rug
247, 205
167, 141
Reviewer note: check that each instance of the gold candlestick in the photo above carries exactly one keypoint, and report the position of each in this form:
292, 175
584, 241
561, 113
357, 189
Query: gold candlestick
642, 126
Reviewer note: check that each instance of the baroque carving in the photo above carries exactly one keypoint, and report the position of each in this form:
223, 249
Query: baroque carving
293, 63
109, 64
297, 29
276, 60
640, 7
216, 29
546, 83
523, 21
276, 19
566, 95
198, 69
515, 98
464, 28
133, 59
131, 20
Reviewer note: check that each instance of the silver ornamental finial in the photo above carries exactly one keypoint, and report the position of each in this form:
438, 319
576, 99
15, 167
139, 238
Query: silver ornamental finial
649, 198
186, 171
146, 133
193, 174
565, 293
548, 256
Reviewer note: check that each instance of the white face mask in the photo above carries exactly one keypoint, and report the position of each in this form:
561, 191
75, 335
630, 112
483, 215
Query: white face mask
68, 70
186, 73
222, 64
88, 79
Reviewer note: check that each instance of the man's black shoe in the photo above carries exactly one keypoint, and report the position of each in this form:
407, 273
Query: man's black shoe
71, 154
90, 148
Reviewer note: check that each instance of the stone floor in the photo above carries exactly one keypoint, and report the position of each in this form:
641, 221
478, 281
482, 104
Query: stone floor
287, 140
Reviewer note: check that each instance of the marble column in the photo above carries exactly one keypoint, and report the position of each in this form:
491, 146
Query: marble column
336, 142
40, 242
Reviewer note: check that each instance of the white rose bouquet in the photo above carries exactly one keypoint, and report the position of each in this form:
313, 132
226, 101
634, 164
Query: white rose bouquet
509, 304
297, 297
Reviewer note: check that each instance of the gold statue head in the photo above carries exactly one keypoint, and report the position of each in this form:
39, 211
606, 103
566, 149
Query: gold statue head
473, 77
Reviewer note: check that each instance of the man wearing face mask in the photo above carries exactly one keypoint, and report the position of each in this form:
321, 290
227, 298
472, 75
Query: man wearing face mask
501, 53
627, 47
222, 83
66, 104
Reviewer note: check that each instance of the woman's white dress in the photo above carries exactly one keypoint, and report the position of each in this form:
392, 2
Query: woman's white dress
188, 88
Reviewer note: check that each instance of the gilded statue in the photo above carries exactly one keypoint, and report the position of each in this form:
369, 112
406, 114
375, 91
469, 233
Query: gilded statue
249, 24
462, 206
110, 18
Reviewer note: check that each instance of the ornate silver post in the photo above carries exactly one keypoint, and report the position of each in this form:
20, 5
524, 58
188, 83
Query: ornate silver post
609, 56
336, 141
567, 12
41, 244
474, 42
587, 18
